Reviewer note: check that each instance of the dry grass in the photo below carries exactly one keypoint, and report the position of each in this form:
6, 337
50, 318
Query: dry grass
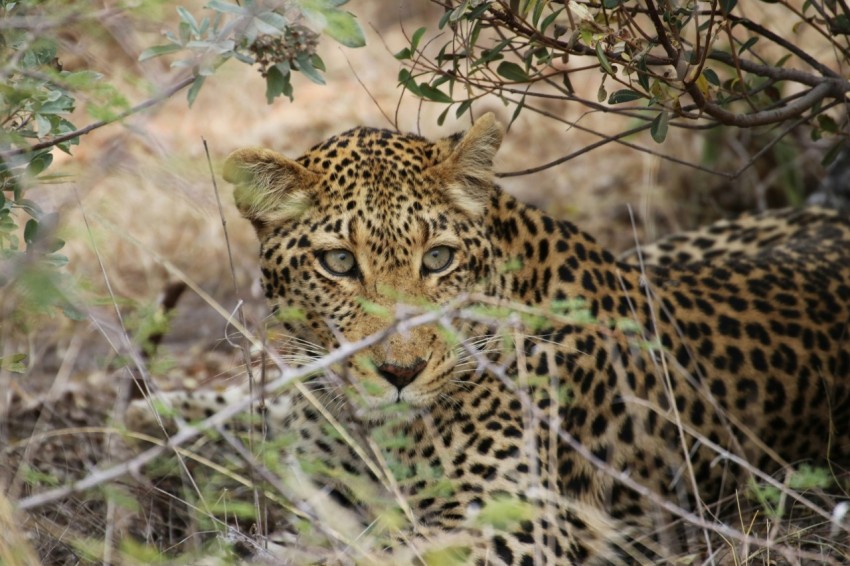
139, 212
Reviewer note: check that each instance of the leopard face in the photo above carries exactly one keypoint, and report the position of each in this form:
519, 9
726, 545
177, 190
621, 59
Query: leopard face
359, 225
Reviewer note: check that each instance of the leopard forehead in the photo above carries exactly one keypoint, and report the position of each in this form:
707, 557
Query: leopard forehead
375, 196
375, 167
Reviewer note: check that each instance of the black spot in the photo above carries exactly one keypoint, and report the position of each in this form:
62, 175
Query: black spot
502, 549
485, 445
543, 250
627, 434
758, 360
587, 282
729, 326
736, 358
698, 413
718, 388
738, 304
600, 423
704, 306
565, 274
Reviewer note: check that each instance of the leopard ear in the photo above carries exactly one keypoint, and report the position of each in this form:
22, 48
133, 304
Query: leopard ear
467, 173
269, 187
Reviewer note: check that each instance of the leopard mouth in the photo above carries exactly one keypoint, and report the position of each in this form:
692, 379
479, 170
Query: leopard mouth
373, 396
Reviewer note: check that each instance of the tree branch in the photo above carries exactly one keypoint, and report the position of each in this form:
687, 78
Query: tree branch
99, 124
823, 87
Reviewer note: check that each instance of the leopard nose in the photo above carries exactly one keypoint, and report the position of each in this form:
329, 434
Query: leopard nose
401, 376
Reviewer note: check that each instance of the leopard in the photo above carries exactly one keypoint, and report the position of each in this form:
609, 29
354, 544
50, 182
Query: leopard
745, 234
522, 362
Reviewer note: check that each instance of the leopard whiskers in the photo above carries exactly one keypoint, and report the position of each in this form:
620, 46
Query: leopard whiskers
478, 345
447, 401
301, 344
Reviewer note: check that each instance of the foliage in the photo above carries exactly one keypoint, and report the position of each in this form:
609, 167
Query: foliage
774, 500
38, 96
278, 38
667, 65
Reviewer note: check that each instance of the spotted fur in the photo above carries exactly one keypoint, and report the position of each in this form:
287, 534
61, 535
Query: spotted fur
601, 412
747, 234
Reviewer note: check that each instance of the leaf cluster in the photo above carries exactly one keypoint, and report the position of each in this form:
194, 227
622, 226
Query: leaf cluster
36, 98
668, 65
280, 38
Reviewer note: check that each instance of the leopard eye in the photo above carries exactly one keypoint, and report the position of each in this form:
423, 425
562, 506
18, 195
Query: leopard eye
437, 259
339, 262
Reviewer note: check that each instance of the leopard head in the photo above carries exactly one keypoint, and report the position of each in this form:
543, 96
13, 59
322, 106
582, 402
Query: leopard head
361, 223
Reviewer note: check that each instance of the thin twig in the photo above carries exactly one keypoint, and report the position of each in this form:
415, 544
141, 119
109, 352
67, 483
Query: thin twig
168, 93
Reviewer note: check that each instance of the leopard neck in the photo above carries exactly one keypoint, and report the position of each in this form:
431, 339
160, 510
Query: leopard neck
542, 261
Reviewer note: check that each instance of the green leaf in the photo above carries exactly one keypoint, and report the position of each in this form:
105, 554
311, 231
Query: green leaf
517, 110
403, 54
31, 230
341, 26
538, 12
278, 82
435, 94
14, 363
643, 75
748, 44
808, 477
658, 128
504, 512
827, 123
464, 106
159, 50
56, 245
624, 95
195, 89
512, 72
444, 19
305, 65
833, 152
274, 20
447, 556
442, 117
728, 5
44, 127
188, 18
603, 59
227, 7
493, 54
711, 76
547, 21
406, 80
39, 163
417, 37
